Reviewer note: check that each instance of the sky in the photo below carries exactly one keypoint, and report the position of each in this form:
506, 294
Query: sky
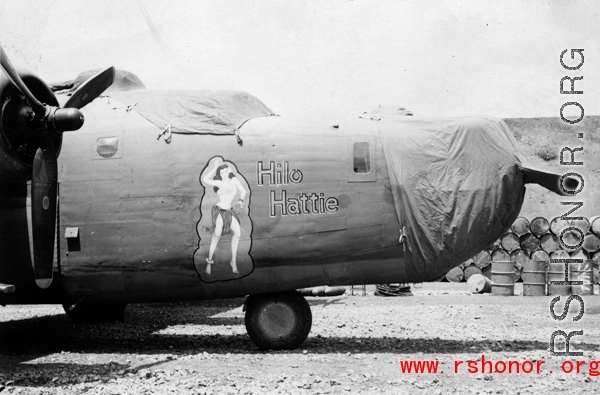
338, 57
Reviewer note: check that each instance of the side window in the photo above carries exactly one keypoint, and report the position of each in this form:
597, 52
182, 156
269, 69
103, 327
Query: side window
362, 157
108, 147
361, 164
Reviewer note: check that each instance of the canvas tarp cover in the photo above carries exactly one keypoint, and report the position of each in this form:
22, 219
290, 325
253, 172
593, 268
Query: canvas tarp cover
185, 111
457, 186
195, 112
124, 80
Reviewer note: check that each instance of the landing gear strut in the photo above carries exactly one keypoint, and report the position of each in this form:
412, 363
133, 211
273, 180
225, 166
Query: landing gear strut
278, 321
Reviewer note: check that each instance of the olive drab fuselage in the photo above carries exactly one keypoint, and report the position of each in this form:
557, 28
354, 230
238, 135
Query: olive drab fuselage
136, 223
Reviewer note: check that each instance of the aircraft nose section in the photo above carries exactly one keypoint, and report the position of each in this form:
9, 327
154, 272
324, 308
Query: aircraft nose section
457, 185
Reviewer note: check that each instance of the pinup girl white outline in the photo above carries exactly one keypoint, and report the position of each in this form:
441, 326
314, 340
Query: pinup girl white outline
225, 220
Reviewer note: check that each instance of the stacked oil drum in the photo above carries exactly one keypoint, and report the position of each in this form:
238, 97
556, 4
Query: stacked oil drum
528, 248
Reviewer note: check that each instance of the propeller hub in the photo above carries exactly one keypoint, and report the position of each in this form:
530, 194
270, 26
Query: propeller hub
65, 119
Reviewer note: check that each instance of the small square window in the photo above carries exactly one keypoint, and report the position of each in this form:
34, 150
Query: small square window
107, 147
361, 159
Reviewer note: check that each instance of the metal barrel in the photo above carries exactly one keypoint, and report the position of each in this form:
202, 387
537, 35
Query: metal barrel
556, 272
479, 284
471, 270
595, 224
503, 280
455, 275
534, 278
539, 226
584, 272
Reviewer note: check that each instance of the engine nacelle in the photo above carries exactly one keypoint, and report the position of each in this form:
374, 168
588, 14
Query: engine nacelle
20, 135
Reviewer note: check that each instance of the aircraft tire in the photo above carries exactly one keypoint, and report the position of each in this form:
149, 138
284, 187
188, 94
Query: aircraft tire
278, 321
96, 313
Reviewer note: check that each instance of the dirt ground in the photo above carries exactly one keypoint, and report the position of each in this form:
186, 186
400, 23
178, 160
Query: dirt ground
356, 346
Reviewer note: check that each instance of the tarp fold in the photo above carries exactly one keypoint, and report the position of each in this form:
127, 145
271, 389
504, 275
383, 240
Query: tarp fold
457, 186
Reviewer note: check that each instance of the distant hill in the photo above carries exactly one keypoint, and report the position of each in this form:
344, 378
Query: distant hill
541, 140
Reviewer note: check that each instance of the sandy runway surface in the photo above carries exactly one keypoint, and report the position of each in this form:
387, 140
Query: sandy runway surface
357, 345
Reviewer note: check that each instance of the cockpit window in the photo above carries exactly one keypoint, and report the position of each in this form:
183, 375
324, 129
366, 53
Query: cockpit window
362, 157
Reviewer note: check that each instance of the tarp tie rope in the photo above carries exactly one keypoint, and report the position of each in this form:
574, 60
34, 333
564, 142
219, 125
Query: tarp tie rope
239, 139
403, 237
127, 108
166, 133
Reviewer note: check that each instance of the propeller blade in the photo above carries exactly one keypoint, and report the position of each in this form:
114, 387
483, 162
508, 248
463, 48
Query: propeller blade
91, 89
43, 212
38, 108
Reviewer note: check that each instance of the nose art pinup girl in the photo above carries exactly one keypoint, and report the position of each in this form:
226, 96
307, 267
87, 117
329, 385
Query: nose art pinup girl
225, 221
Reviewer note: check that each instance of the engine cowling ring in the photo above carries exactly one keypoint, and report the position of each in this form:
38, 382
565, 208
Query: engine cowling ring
19, 135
